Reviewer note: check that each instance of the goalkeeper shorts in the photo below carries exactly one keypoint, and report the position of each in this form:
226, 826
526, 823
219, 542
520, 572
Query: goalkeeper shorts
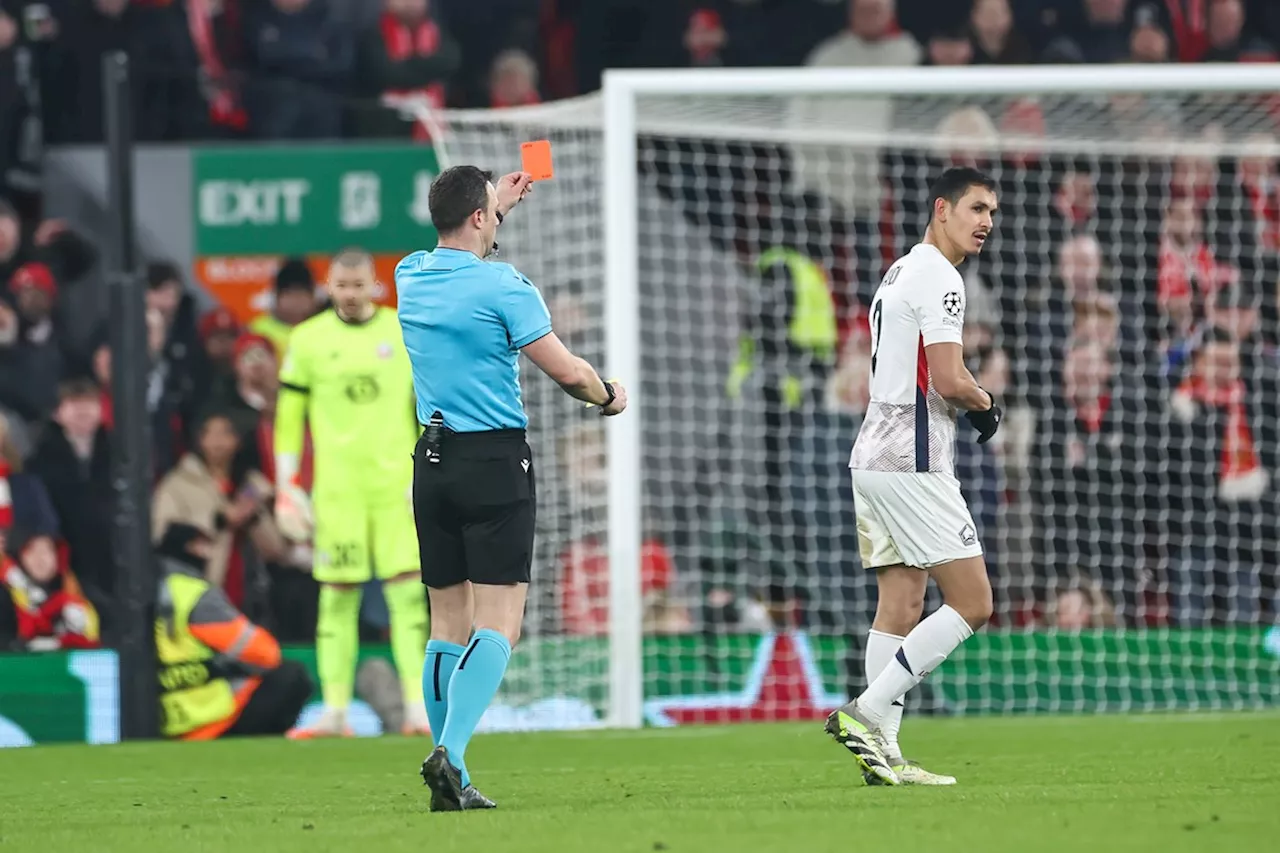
918, 520
359, 538
475, 508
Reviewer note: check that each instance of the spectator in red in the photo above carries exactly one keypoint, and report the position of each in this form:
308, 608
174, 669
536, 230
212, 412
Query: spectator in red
212, 490
193, 70
995, 40
39, 349
1220, 459
251, 395
1188, 273
72, 459
1076, 201
1094, 460
1209, 30
513, 80
219, 330
407, 54
705, 38
44, 598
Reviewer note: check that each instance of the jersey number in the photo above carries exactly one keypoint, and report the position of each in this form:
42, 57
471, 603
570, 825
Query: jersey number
876, 316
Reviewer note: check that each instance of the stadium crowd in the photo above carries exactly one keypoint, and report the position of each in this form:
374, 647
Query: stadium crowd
1137, 349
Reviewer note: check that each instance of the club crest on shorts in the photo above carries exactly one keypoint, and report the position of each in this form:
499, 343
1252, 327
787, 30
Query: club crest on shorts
968, 536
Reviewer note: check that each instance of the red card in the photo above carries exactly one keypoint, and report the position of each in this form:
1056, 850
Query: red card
535, 158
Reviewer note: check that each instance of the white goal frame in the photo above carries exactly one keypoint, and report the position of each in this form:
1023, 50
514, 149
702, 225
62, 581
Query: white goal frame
622, 88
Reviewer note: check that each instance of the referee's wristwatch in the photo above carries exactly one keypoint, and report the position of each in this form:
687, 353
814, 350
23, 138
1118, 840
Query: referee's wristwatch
608, 389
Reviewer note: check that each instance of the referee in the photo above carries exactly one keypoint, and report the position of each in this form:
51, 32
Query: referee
465, 323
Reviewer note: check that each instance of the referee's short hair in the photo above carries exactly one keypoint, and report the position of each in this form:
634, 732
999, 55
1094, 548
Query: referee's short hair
456, 194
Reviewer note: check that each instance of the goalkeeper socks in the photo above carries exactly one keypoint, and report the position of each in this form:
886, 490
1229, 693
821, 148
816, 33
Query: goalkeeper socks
925, 647
407, 607
472, 688
881, 648
437, 672
337, 643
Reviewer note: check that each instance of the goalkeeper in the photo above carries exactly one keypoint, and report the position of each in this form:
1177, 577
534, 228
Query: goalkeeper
347, 373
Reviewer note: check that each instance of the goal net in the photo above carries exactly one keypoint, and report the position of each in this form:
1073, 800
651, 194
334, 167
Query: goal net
1124, 314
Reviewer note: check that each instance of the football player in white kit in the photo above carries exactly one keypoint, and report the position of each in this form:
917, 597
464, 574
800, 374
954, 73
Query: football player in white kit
913, 522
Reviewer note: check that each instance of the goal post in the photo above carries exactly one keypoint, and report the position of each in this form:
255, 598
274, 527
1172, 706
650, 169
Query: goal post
671, 188
622, 358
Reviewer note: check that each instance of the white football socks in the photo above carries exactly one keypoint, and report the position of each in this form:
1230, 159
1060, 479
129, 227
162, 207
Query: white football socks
928, 645
881, 648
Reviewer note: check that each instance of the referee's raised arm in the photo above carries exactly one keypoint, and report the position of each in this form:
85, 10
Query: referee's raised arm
465, 323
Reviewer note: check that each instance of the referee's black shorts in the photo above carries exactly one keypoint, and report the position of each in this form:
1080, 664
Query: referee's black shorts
475, 509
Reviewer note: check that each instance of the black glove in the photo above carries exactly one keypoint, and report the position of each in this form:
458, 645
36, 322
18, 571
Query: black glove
985, 422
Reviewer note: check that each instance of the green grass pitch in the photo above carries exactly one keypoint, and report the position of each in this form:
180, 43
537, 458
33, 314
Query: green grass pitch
1117, 783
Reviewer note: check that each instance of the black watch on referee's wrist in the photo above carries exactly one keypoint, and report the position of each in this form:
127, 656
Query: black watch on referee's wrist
608, 389
498, 213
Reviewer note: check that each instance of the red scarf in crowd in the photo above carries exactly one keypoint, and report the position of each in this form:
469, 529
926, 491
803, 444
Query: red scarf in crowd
108, 411
59, 612
1190, 28
224, 104
1189, 273
6, 495
1240, 472
1090, 413
405, 42
233, 582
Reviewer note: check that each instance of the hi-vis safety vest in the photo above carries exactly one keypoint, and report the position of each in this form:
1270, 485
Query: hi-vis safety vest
812, 329
192, 695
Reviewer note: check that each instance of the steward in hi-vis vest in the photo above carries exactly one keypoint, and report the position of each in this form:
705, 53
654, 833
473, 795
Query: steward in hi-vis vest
219, 674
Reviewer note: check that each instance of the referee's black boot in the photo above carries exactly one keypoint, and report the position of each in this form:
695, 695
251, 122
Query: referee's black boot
444, 780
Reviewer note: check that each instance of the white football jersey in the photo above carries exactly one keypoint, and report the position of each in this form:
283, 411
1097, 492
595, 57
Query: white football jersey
909, 427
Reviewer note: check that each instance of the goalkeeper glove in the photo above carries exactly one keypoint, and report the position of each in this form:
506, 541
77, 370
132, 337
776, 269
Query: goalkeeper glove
293, 507
986, 422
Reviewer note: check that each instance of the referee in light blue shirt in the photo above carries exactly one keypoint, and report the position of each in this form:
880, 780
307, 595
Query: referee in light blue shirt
465, 323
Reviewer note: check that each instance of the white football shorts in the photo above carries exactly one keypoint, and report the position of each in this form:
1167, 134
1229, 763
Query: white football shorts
919, 520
